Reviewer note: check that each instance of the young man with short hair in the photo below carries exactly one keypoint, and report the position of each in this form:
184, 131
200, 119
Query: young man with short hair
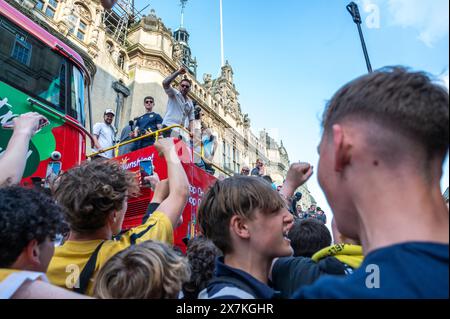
385, 138
104, 134
249, 222
95, 195
149, 122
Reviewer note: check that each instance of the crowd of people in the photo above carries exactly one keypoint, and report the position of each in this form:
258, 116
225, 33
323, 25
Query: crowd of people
385, 137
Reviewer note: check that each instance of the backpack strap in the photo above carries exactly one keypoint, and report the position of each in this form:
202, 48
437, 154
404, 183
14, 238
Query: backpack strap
88, 271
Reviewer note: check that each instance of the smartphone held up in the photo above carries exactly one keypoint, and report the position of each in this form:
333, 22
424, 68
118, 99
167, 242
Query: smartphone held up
53, 170
145, 169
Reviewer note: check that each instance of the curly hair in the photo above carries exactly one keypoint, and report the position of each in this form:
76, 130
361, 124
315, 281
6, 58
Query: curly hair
201, 253
91, 191
25, 215
151, 270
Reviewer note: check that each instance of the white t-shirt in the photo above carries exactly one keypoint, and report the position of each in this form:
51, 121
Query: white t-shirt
15, 280
106, 135
179, 110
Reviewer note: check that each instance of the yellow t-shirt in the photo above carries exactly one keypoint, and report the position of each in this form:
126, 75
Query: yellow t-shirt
69, 259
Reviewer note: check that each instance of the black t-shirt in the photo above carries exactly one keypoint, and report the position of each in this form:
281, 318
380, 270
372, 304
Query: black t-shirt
292, 273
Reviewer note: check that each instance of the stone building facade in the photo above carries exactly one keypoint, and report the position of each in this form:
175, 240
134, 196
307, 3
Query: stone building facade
128, 60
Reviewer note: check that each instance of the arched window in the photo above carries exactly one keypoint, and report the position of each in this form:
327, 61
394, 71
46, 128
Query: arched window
109, 47
80, 18
48, 7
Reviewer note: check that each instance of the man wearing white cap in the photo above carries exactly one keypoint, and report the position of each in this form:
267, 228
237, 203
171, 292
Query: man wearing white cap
104, 134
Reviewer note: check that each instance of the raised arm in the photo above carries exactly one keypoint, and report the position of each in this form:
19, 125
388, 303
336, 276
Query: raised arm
173, 76
174, 204
14, 159
297, 175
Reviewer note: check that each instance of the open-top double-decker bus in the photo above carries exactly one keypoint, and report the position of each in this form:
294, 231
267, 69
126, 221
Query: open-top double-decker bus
40, 73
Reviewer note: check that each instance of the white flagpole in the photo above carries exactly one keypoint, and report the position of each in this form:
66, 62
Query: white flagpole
221, 34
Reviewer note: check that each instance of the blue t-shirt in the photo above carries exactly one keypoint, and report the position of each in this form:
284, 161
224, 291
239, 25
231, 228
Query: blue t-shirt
402, 271
149, 121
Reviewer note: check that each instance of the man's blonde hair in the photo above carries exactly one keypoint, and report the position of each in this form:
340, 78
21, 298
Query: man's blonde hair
151, 270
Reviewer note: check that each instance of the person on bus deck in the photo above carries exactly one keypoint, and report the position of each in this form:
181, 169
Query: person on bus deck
149, 122
95, 196
180, 108
209, 144
259, 169
29, 222
105, 134
13, 160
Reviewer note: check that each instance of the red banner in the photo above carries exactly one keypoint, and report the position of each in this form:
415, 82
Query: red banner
199, 182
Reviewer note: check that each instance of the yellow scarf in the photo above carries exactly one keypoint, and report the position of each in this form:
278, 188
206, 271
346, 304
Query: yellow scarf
351, 255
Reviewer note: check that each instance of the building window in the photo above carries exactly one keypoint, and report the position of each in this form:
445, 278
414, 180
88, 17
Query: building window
79, 20
21, 50
224, 156
121, 60
81, 33
237, 161
48, 7
229, 159
109, 47
234, 159
40, 5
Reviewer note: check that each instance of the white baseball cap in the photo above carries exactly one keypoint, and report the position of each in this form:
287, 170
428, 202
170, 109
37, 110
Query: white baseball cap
107, 111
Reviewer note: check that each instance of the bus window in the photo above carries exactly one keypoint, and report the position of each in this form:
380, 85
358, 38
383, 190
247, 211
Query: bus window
77, 96
31, 67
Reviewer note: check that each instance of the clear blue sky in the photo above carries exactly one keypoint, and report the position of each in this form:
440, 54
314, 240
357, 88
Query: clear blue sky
290, 56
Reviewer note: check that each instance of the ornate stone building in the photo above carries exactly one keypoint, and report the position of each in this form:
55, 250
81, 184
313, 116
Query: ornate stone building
129, 56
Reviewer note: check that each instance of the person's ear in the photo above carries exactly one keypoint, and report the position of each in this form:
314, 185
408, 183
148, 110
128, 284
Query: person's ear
239, 226
33, 253
342, 148
114, 216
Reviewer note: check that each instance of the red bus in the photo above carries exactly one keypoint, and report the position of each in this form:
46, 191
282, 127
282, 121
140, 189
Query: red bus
40, 73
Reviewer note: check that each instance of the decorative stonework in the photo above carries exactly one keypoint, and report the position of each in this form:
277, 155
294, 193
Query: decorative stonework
29, 4
93, 50
80, 8
177, 54
153, 64
63, 28
218, 97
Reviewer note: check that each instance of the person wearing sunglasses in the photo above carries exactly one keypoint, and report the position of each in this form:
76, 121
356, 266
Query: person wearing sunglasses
149, 122
180, 108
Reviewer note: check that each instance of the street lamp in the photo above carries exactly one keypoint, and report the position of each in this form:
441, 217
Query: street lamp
352, 8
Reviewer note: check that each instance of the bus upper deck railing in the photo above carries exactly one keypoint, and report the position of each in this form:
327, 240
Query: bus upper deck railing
156, 134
